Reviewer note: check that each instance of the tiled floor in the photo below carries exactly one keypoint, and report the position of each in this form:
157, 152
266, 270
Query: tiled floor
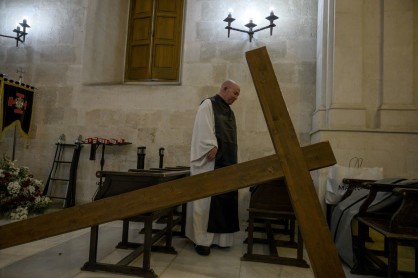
63, 256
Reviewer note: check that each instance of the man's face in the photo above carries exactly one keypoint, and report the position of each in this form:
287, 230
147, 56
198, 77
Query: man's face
232, 93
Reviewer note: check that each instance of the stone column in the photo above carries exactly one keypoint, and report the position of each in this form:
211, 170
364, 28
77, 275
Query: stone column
366, 89
398, 107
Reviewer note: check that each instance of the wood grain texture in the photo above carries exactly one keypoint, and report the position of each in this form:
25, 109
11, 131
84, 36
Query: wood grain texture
315, 232
157, 197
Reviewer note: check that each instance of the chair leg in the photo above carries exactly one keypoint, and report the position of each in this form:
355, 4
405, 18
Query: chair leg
169, 232
392, 258
94, 236
146, 262
125, 232
416, 259
299, 251
363, 232
250, 231
292, 230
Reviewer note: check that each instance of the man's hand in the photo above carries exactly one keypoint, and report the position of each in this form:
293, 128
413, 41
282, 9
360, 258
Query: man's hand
212, 154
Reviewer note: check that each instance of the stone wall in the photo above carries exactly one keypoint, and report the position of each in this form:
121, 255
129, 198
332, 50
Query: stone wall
366, 99
74, 55
347, 72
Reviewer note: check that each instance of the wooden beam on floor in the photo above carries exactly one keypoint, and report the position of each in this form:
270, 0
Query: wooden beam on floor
315, 232
157, 197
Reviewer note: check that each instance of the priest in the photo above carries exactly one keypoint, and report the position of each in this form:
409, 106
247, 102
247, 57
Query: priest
212, 221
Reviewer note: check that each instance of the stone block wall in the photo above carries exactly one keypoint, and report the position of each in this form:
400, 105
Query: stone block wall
366, 98
74, 55
347, 68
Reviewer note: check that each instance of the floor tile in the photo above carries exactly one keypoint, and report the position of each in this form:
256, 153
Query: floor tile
63, 256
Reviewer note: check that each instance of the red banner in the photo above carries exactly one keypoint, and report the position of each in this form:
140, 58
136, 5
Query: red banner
16, 104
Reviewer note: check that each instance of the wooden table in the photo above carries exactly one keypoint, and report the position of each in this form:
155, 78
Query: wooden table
116, 183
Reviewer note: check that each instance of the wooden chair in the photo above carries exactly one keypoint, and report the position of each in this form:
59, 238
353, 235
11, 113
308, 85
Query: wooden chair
397, 223
270, 204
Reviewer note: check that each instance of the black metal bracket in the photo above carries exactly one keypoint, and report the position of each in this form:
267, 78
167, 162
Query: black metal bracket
20, 35
229, 19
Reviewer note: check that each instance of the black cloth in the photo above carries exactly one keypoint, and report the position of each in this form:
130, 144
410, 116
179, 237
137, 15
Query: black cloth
223, 214
226, 133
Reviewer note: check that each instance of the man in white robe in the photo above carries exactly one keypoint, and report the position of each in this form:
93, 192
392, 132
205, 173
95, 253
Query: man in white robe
204, 152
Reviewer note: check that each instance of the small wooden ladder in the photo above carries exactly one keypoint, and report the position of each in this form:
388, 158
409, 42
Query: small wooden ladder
63, 173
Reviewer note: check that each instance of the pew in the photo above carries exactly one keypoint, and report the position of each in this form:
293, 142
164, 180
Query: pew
116, 183
397, 223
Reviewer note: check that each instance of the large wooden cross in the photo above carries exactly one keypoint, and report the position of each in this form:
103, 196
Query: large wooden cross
291, 162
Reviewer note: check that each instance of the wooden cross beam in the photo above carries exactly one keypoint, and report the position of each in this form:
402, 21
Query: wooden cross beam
315, 232
156, 197
321, 251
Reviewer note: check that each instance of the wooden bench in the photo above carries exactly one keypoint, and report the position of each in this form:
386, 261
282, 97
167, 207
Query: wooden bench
270, 205
398, 224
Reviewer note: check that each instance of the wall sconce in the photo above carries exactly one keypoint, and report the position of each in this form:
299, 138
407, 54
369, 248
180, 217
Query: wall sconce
229, 19
20, 35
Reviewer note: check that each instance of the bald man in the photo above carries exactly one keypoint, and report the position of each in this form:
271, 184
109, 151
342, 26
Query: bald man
212, 221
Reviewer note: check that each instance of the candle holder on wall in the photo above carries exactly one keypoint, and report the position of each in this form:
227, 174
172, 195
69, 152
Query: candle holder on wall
250, 25
20, 34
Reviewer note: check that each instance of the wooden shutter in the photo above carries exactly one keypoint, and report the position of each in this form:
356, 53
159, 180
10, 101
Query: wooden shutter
153, 50
138, 63
167, 39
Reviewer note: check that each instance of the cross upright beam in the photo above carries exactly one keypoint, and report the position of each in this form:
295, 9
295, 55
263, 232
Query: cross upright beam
315, 232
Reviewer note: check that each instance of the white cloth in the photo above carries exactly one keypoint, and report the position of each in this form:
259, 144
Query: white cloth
203, 140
